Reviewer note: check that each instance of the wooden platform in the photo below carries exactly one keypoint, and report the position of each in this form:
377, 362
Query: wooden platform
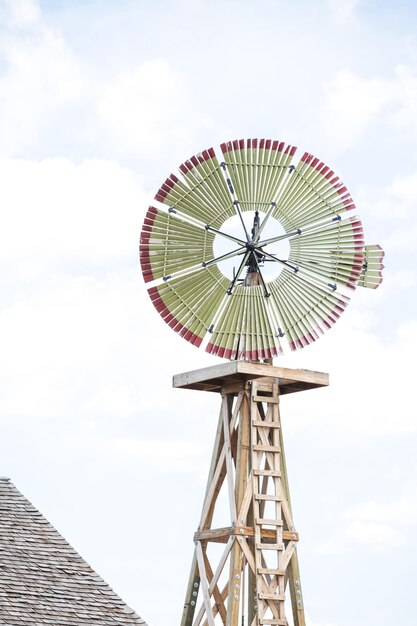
235, 372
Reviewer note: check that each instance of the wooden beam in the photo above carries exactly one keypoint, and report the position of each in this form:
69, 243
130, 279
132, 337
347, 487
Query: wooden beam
221, 535
237, 372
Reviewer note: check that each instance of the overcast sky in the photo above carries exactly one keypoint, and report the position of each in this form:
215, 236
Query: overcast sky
99, 101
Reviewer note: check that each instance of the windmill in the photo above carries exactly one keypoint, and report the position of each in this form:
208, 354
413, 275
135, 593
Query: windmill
248, 256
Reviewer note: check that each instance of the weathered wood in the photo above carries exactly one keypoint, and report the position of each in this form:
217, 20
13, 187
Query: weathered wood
221, 535
294, 581
229, 462
241, 481
204, 584
266, 448
194, 578
215, 377
214, 581
260, 539
213, 589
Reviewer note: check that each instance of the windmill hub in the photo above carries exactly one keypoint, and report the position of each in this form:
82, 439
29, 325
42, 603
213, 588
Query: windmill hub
256, 257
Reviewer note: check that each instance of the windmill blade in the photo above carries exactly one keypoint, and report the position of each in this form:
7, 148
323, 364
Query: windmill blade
247, 316
247, 328
188, 304
333, 252
256, 169
169, 245
306, 308
371, 275
202, 192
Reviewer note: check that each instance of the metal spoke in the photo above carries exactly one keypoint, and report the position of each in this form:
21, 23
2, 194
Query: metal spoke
235, 201
187, 218
219, 232
239, 212
264, 221
266, 242
223, 257
271, 257
238, 273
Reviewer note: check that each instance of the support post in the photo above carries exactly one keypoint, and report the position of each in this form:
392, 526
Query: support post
241, 571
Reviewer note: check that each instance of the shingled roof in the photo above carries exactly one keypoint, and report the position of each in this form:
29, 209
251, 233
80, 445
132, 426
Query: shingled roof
43, 580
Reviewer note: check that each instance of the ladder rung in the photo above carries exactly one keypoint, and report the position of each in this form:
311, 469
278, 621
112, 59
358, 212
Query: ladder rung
268, 497
261, 423
258, 447
271, 570
270, 546
256, 397
271, 596
263, 521
277, 622
264, 472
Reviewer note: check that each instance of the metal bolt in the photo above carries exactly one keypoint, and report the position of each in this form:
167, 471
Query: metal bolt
237, 576
299, 603
294, 536
192, 603
241, 531
237, 586
195, 593
236, 597
240, 539
297, 582
298, 593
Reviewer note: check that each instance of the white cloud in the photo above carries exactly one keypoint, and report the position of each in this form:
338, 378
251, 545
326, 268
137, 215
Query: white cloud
351, 104
173, 455
376, 525
146, 108
395, 204
76, 324
22, 12
70, 286
310, 622
357, 535
398, 199
61, 217
360, 360
406, 97
401, 510
343, 10
41, 77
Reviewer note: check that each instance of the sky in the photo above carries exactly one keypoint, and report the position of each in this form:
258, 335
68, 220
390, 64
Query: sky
99, 102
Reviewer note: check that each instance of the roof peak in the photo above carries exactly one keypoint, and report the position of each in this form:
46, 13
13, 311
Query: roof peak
37, 562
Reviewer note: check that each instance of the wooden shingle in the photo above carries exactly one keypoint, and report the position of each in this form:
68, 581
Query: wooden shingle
43, 580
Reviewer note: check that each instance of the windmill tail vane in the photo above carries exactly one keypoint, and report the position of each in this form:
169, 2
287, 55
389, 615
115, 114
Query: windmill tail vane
251, 200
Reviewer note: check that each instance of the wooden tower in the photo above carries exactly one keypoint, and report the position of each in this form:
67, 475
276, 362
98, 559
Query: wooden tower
243, 570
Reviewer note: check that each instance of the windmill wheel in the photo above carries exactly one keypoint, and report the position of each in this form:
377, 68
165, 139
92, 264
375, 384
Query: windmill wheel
251, 252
